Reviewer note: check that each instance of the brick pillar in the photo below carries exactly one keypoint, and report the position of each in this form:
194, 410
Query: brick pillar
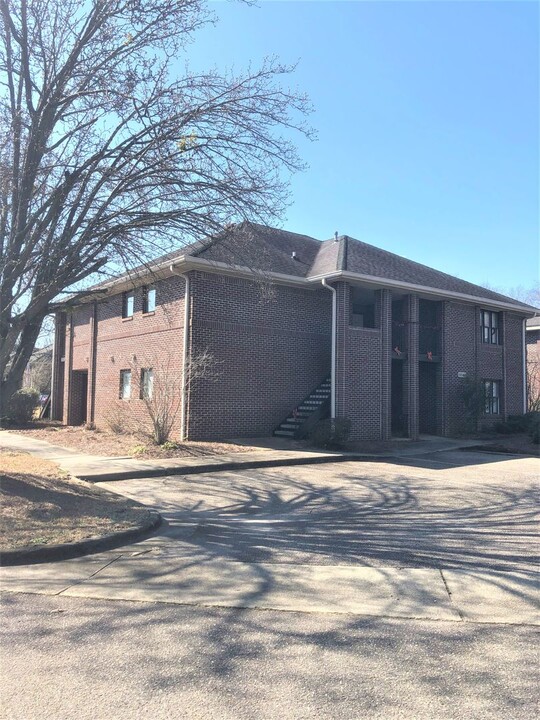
68, 370
384, 314
343, 313
92, 355
411, 367
58, 364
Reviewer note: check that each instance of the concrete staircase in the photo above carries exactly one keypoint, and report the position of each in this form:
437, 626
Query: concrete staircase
312, 409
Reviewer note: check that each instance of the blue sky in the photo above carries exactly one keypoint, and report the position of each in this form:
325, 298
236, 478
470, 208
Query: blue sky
427, 120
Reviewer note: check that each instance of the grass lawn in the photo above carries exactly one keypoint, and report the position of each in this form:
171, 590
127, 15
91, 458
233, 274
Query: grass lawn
41, 505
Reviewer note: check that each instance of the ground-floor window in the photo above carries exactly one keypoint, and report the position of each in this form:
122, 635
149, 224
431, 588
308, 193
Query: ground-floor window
492, 392
147, 383
125, 384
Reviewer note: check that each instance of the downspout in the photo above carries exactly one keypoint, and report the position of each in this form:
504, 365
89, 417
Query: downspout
525, 398
333, 349
185, 353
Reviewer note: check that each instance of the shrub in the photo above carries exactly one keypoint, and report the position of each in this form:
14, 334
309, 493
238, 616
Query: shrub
22, 405
528, 423
331, 434
170, 445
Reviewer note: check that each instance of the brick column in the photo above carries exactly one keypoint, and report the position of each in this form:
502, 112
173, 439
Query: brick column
411, 368
384, 307
343, 312
58, 367
68, 370
91, 394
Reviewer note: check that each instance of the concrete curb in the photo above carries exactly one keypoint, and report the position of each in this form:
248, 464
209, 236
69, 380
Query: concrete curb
217, 467
66, 551
248, 465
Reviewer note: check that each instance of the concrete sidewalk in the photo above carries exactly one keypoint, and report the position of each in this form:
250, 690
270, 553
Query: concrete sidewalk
95, 468
414, 593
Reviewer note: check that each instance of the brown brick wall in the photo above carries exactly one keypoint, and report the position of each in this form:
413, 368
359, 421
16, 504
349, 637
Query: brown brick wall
464, 351
513, 364
152, 340
358, 372
273, 348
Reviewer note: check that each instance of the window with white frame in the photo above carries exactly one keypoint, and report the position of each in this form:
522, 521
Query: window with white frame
147, 383
489, 322
492, 392
149, 299
128, 304
125, 385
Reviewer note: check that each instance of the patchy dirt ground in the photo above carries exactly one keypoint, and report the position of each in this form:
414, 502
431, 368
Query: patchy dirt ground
108, 444
40, 505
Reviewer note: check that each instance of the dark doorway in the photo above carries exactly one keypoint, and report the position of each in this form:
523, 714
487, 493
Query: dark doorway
79, 390
427, 398
399, 426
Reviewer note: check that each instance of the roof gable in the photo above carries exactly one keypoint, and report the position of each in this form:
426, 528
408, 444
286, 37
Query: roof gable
359, 257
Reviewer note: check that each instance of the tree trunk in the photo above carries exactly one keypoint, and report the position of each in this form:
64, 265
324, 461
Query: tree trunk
14, 377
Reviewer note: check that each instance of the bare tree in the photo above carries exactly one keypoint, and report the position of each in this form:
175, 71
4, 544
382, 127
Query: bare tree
157, 388
107, 157
533, 379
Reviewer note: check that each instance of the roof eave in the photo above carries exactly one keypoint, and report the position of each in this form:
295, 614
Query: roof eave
424, 290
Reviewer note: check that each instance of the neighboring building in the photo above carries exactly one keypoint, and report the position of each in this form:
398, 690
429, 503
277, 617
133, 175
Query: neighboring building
37, 374
533, 363
284, 315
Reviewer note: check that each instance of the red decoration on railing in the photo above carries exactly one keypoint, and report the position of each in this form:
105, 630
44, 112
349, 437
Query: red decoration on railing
397, 351
429, 355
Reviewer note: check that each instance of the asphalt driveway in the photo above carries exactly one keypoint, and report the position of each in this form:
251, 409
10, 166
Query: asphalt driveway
349, 590
458, 510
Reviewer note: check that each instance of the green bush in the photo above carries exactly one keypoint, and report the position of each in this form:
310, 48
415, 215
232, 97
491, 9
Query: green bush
528, 423
534, 427
331, 434
22, 405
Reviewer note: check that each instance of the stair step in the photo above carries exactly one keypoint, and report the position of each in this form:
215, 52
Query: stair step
284, 433
289, 426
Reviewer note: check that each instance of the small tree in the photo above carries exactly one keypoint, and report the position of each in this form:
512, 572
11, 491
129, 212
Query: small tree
473, 399
160, 388
533, 380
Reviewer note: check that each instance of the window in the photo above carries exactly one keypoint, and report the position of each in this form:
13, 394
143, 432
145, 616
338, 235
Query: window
149, 299
147, 383
125, 384
491, 397
489, 322
128, 303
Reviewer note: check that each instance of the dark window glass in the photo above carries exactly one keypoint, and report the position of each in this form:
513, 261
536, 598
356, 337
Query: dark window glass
492, 397
147, 383
149, 299
128, 304
489, 322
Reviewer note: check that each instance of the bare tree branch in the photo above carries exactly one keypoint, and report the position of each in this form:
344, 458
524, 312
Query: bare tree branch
107, 157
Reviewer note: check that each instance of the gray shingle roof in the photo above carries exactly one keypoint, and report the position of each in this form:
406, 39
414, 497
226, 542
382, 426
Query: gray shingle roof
267, 249
359, 257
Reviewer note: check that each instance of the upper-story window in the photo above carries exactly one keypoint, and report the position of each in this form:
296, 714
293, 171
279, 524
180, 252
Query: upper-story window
489, 323
128, 304
149, 299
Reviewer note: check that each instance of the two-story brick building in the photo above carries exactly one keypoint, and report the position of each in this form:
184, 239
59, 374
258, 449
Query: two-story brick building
294, 325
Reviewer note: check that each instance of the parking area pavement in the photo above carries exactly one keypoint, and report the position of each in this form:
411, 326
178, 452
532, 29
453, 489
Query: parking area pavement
403, 589
448, 536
